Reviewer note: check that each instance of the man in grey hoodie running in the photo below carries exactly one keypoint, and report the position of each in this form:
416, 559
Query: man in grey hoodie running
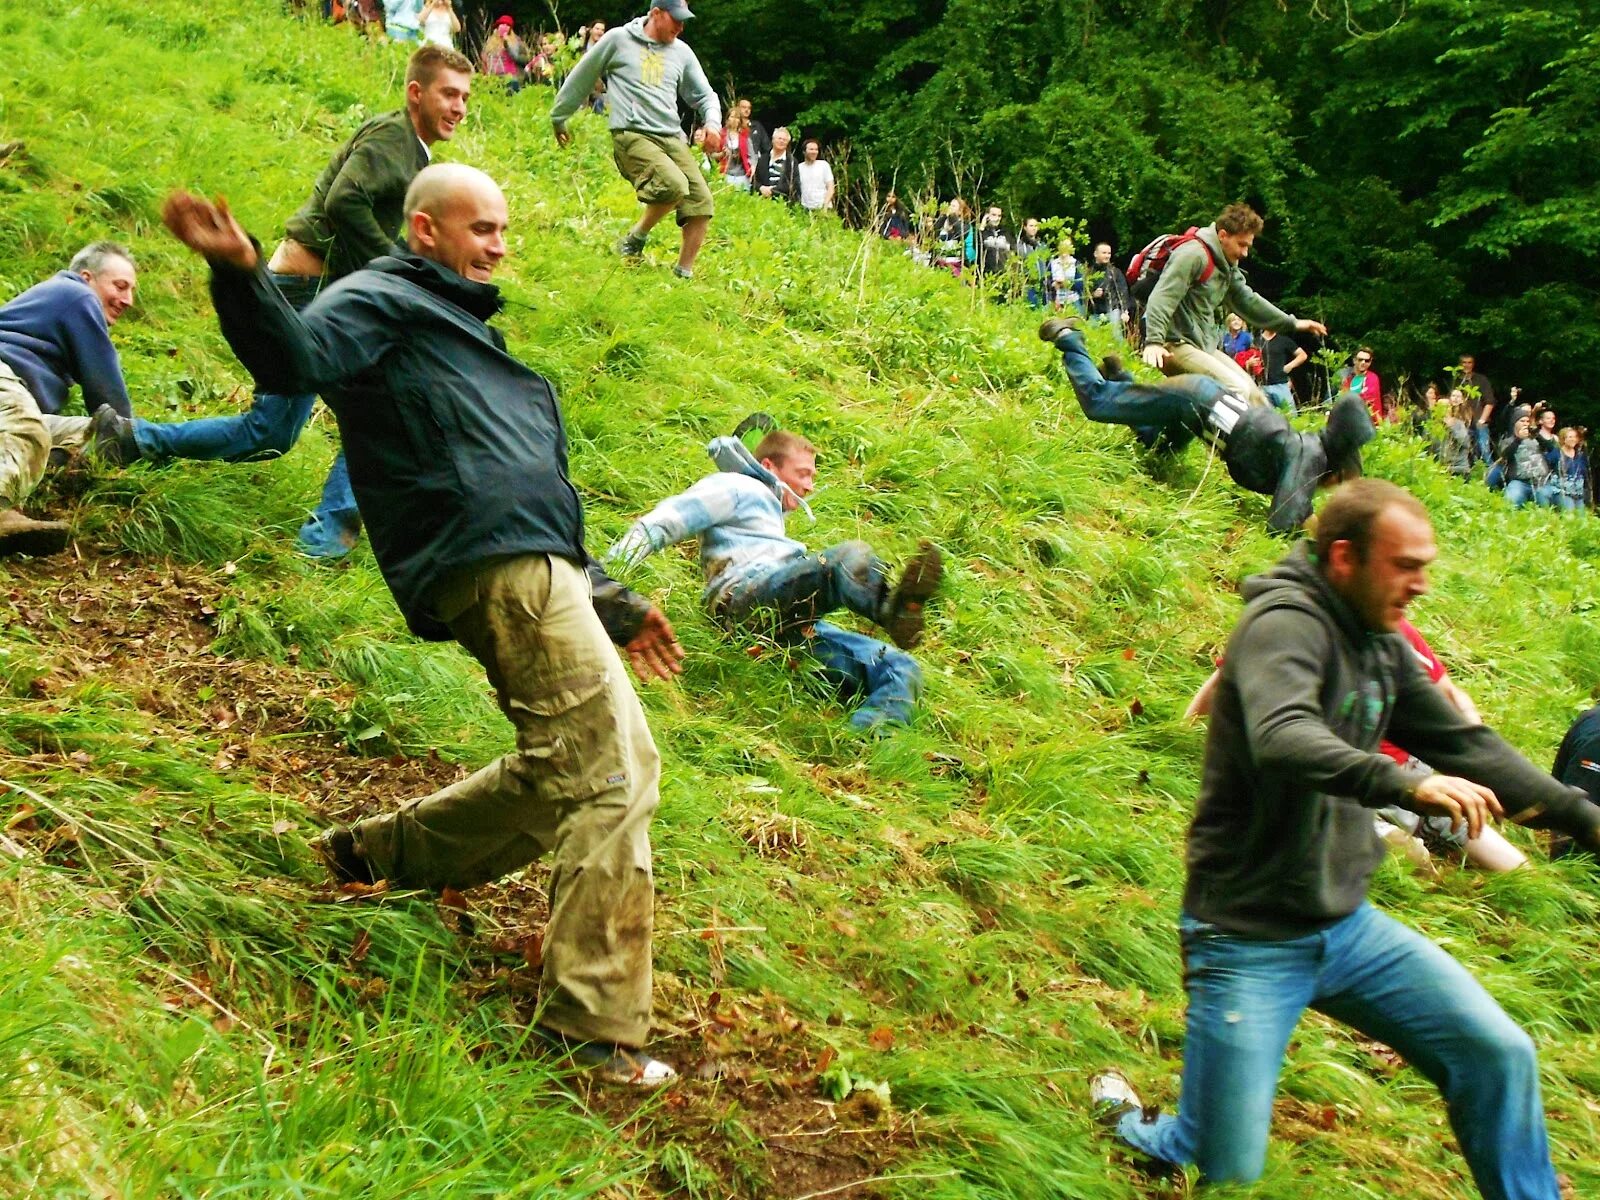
647, 69
1275, 915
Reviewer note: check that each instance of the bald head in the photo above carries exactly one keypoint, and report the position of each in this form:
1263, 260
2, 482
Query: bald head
456, 215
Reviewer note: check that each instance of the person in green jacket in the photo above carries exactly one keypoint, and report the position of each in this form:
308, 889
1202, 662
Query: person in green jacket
647, 68
351, 217
1200, 283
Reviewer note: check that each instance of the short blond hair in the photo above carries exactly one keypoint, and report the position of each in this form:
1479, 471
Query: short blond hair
780, 446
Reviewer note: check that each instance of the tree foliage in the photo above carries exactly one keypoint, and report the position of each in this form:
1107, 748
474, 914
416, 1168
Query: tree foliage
1426, 167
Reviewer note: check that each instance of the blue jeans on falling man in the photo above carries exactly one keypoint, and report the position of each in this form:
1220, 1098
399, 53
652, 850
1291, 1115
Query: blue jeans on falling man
1384, 980
1173, 410
271, 426
798, 593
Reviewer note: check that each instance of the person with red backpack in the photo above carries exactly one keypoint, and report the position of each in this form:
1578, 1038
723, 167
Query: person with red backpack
1187, 281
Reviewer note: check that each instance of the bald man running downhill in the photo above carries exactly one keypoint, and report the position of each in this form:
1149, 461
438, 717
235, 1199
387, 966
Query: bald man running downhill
427, 400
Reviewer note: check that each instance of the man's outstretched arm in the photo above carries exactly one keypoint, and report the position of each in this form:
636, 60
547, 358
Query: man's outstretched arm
635, 624
283, 352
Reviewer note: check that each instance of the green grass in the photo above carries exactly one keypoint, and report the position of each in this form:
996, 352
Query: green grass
186, 1014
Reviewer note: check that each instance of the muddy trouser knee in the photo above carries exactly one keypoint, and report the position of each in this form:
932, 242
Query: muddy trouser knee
580, 787
887, 680
25, 440
807, 587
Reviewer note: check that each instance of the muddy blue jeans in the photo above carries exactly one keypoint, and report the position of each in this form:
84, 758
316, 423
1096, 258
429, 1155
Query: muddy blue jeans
794, 596
270, 427
1389, 983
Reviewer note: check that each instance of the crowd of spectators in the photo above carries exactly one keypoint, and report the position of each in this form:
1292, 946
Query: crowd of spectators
1524, 451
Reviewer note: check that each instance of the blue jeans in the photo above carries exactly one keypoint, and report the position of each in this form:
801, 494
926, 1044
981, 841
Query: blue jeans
272, 425
797, 594
1519, 492
1569, 501
803, 590
1389, 983
888, 680
1281, 395
1174, 408
1480, 440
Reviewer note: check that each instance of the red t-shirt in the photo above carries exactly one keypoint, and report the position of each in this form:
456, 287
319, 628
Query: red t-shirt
1429, 662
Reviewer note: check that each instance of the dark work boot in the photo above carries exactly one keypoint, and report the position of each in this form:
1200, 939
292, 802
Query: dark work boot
24, 535
337, 849
1111, 366
111, 437
1348, 429
902, 608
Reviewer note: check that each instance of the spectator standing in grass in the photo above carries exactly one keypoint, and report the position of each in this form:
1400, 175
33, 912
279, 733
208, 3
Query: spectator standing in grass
479, 533
1182, 330
989, 246
777, 174
1572, 473
1035, 256
1275, 915
1358, 378
1454, 450
760, 139
401, 19
757, 577
648, 69
894, 224
54, 335
1480, 391
1110, 301
439, 24
1066, 280
950, 237
503, 54
816, 179
1281, 355
351, 218
738, 151
1237, 339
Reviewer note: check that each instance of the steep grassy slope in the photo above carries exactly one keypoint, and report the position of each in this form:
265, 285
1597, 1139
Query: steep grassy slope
977, 911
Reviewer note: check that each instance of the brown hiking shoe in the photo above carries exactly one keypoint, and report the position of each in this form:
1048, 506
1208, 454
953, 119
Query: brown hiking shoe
24, 535
902, 611
1056, 326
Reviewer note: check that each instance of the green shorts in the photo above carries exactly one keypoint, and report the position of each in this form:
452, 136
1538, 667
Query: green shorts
662, 171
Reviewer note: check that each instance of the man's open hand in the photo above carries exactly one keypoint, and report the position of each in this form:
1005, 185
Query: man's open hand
1459, 799
654, 650
1305, 325
209, 229
1156, 355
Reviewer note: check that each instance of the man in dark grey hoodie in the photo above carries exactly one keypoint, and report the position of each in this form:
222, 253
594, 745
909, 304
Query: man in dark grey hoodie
1275, 917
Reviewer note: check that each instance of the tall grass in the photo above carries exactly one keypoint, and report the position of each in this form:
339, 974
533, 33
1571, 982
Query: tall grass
187, 1014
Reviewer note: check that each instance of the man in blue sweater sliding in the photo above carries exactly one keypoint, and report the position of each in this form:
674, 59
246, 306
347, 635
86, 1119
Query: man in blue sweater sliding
54, 335
758, 576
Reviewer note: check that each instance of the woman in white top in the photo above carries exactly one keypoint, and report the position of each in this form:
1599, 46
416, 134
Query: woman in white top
439, 24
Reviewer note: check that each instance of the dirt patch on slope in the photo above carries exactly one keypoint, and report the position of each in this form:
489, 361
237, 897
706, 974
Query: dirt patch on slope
747, 1117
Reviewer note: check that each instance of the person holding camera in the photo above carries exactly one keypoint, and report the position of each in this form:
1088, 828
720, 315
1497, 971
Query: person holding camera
1527, 463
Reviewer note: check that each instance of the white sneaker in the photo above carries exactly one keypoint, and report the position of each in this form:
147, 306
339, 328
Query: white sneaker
1111, 1096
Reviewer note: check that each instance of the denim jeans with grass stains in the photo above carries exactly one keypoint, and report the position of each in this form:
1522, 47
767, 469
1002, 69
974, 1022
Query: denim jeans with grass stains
1389, 983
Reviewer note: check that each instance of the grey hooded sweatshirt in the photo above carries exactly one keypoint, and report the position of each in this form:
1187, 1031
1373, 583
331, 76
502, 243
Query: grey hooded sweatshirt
644, 80
1282, 843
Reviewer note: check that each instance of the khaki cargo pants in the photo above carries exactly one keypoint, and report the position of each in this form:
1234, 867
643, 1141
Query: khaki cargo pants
1184, 359
662, 171
581, 787
26, 438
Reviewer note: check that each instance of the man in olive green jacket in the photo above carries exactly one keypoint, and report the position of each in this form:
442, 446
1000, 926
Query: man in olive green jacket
1200, 283
352, 216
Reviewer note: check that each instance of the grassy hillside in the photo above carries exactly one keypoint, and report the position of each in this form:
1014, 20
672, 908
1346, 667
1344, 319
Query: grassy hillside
977, 911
